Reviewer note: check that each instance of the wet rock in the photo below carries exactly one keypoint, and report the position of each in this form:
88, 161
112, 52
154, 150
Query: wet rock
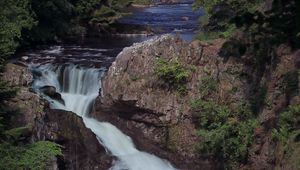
185, 18
24, 58
51, 92
81, 147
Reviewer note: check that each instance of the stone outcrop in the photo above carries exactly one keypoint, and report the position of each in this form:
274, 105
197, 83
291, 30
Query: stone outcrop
134, 99
132, 91
81, 148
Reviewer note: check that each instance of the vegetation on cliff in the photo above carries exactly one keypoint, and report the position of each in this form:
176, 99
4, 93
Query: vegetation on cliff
225, 133
254, 30
33, 156
172, 73
16, 151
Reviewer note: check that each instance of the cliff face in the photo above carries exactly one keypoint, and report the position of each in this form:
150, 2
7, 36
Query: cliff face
81, 149
134, 93
135, 99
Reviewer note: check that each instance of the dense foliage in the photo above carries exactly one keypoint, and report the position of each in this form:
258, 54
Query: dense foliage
254, 29
225, 133
26, 22
33, 156
287, 125
14, 17
272, 18
226, 130
287, 137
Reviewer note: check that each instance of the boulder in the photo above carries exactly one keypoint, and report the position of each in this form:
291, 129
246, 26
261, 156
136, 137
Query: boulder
17, 75
134, 102
50, 91
81, 148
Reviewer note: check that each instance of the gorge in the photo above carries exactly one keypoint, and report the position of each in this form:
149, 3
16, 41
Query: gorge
78, 86
186, 85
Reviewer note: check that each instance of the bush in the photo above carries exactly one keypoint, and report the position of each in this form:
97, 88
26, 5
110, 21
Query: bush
288, 123
225, 134
208, 85
173, 73
34, 156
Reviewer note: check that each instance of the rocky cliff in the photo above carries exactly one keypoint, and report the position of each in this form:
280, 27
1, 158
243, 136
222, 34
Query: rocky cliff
136, 99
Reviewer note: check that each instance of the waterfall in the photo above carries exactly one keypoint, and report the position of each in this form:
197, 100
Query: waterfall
79, 88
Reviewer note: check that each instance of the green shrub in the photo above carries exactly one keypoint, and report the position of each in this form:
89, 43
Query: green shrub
288, 124
208, 85
224, 133
173, 73
34, 156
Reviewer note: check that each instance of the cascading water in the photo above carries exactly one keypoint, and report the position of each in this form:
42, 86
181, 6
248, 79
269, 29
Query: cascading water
79, 88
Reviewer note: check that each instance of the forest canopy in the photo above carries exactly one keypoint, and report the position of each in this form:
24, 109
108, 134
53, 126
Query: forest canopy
26, 22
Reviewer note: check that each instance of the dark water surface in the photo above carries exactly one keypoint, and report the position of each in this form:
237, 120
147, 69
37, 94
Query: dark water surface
176, 18
101, 51
90, 52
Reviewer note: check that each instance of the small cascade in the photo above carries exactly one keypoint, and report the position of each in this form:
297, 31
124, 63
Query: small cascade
79, 87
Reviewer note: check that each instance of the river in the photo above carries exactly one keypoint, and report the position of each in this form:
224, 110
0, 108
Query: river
75, 70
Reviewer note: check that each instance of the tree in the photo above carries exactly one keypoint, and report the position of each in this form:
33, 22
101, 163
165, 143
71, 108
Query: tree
15, 16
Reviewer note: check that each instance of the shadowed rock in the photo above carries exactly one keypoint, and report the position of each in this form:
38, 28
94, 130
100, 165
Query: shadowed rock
51, 92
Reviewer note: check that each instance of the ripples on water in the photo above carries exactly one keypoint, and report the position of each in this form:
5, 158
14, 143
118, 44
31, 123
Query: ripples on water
179, 18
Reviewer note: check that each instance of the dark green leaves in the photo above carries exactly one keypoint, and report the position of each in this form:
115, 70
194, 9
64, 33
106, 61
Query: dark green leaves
34, 156
226, 134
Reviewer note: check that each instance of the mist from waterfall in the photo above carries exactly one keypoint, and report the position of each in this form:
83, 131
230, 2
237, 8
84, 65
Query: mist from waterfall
79, 87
